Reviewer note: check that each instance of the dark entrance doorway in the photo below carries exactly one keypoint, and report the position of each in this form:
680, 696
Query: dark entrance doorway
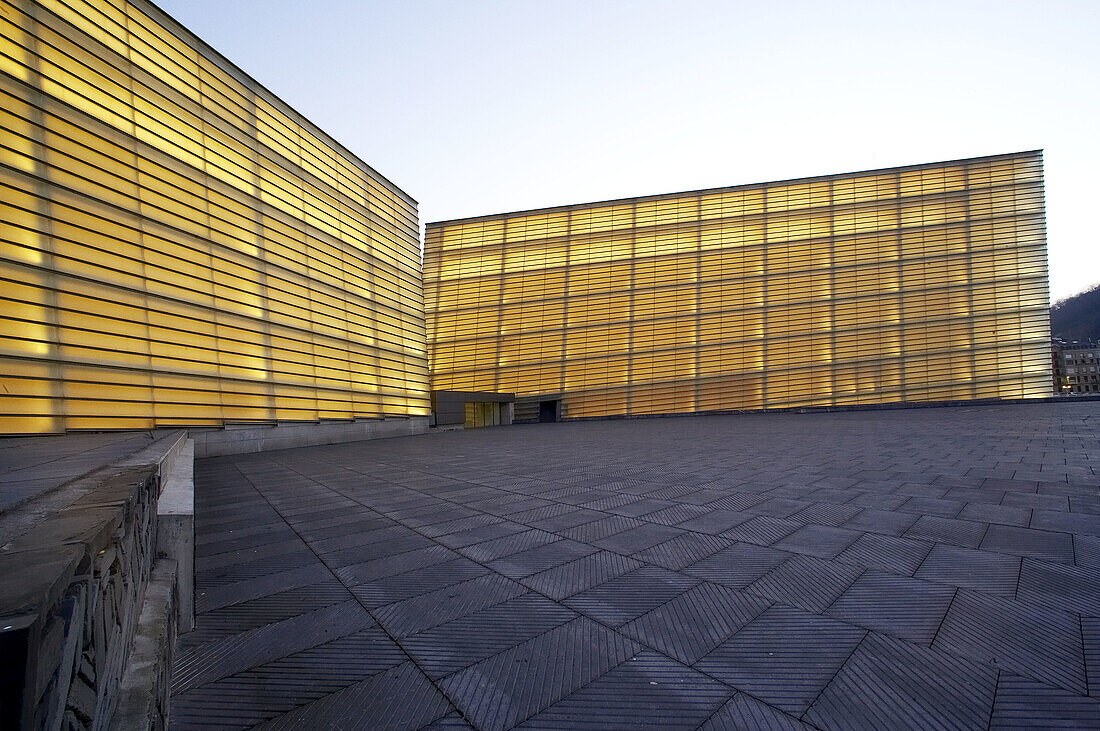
548, 411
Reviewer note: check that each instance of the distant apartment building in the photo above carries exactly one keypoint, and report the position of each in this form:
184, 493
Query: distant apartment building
909, 284
1074, 366
178, 247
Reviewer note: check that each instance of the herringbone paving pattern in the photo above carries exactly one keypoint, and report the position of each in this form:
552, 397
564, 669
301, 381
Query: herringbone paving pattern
927, 568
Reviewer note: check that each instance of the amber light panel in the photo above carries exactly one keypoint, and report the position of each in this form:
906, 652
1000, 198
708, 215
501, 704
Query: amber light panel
179, 247
919, 283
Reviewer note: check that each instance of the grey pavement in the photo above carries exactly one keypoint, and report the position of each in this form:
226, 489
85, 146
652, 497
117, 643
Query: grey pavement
923, 568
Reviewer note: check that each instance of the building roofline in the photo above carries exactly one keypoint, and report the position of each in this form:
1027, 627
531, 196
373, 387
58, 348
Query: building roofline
722, 189
181, 31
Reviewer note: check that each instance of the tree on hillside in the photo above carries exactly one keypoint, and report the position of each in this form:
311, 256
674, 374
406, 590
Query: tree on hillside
1077, 317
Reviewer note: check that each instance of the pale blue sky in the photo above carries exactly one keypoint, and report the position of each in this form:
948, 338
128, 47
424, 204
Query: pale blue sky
484, 106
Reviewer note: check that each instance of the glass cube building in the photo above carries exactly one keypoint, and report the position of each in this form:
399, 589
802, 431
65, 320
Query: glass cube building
909, 284
180, 247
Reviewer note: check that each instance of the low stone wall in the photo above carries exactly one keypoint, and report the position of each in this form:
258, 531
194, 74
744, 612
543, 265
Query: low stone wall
73, 585
248, 438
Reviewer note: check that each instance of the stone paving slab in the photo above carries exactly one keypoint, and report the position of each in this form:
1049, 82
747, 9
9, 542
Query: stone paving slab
912, 568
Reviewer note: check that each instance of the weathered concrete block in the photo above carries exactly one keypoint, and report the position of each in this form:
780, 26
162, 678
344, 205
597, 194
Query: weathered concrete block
143, 694
176, 527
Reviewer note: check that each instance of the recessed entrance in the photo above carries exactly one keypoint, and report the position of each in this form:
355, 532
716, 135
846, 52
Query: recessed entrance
481, 414
548, 411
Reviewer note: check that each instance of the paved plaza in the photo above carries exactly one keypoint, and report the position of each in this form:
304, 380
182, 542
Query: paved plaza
931, 568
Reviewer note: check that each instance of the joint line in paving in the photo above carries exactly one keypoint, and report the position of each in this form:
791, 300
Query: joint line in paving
371, 614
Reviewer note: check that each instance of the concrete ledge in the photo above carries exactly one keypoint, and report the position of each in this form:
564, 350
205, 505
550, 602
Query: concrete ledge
145, 689
149, 448
81, 612
75, 563
176, 526
164, 447
32, 467
246, 439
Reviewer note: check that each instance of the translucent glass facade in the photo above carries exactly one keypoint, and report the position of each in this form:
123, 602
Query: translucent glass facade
921, 283
179, 247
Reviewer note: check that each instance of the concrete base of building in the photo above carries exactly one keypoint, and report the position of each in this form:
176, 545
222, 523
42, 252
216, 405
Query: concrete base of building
889, 406
248, 438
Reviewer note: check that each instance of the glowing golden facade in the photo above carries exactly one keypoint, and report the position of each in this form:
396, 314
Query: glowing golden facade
179, 247
921, 283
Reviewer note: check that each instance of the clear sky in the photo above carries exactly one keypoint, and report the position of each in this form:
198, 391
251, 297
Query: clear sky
484, 106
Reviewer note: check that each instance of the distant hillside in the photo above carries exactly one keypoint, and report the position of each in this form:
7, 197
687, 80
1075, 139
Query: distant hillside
1077, 317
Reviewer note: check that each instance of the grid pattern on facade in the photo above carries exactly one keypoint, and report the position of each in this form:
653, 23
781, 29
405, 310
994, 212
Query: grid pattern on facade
179, 247
919, 283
